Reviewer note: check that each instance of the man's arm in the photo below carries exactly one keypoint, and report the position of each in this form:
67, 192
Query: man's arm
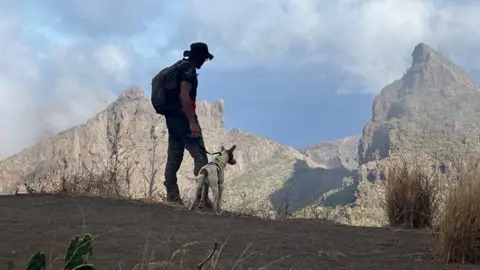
186, 101
188, 76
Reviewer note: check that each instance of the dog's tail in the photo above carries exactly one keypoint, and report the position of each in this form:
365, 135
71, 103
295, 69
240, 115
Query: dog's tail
195, 178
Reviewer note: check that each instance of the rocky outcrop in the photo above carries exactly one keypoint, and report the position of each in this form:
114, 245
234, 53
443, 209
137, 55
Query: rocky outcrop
128, 123
434, 105
433, 98
336, 153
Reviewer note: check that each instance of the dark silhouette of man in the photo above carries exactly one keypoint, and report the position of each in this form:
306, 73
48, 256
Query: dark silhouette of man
182, 123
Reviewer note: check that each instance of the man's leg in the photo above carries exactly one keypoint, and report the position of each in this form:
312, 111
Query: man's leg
196, 148
174, 160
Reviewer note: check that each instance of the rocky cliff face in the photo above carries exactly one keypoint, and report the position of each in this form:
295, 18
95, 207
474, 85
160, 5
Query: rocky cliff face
433, 98
434, 104
127, 122
126, 131
336, 153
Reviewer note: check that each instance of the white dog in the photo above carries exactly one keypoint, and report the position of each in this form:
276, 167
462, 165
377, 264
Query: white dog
213, 175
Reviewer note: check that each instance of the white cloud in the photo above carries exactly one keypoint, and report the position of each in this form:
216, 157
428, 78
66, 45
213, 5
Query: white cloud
17, 69
113, 60
81, 80
48, 87
62, 88
369, 41
107, 17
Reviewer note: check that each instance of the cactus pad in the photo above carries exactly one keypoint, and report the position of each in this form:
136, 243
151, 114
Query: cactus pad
37, 262
78, 252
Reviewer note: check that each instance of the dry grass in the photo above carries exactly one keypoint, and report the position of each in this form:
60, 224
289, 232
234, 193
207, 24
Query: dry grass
459, 227
414, 199
176, 261
410, 195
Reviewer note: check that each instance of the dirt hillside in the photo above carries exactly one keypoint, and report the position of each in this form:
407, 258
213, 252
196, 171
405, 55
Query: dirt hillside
125, 231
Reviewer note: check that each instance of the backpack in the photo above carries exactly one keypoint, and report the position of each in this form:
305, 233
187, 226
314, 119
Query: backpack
166, 90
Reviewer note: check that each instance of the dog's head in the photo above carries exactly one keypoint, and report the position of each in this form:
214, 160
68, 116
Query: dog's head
227, 154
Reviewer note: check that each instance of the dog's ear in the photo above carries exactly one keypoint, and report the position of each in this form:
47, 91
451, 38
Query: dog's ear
222, 148
232, 148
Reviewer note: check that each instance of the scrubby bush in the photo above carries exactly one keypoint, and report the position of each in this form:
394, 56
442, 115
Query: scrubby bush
459, 226
410, 195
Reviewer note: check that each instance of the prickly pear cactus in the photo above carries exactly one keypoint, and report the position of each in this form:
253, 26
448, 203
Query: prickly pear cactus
37, 262
85, 267
78, 253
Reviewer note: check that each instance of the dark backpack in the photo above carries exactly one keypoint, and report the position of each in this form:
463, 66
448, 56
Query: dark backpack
166, 90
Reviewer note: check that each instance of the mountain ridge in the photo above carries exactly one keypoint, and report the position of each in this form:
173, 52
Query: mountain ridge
435, 101
87, 146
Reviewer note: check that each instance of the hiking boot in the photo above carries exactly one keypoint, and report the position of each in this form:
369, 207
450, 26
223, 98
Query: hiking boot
175, 199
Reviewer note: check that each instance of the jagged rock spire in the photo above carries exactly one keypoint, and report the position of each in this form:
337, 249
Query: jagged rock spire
431, 70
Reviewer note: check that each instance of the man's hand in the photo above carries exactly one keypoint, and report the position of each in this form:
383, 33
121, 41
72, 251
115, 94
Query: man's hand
195, 129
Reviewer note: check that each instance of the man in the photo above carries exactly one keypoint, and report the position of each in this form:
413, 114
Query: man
176, 99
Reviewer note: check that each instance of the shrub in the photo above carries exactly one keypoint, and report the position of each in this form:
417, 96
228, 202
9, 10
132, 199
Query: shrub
459, 226
410, 195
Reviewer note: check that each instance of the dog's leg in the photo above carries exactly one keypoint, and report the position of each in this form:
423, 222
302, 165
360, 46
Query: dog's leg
201, 202
192, 205
220, 191
215, 191
200, 181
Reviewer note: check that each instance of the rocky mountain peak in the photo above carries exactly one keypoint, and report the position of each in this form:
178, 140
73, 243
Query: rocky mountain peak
434, 95
422, 53
132, 93
431, 70
429, 109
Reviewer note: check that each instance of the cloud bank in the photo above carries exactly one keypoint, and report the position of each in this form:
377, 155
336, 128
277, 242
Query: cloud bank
64, 61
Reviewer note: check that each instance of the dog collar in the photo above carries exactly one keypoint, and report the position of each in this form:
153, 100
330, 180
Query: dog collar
220, 160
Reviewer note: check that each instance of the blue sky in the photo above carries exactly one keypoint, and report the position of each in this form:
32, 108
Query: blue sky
298, 72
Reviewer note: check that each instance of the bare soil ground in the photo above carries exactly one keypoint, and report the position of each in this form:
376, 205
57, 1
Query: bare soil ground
126, 231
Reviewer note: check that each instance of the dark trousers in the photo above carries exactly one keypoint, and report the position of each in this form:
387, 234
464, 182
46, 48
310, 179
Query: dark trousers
178, 130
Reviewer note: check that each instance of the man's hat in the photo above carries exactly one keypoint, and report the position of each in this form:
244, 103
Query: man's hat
198, 49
